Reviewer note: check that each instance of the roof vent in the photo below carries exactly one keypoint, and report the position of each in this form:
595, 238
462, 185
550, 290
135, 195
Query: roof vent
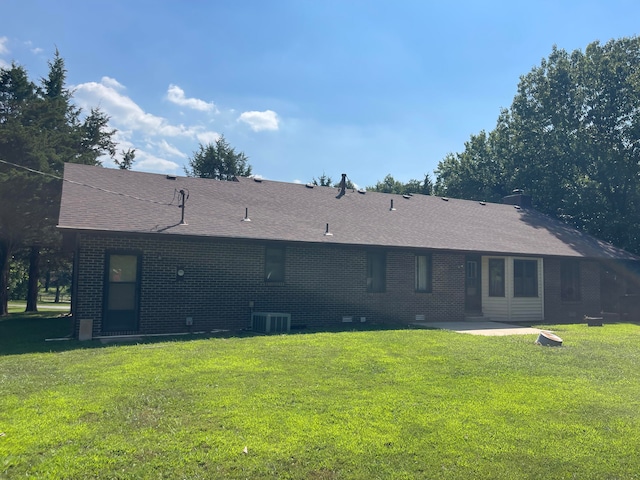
482, 203
309, 185
246, 215
445, 199
406, 196
392, 209
327, 233
171, 177
517, 207
362, 191
257, 180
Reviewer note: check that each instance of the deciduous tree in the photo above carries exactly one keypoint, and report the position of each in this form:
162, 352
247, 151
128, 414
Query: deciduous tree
571, 139
391, 185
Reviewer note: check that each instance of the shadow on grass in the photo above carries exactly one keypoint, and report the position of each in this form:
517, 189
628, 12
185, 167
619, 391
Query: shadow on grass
22, 333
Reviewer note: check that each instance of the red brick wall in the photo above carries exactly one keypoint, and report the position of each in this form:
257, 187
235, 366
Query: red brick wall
322, 284
559, 311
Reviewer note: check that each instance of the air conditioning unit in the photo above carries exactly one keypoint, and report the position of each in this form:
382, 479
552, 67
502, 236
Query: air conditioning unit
270, 322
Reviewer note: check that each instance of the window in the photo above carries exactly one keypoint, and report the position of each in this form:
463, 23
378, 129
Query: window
525, 278
472, 269
274, 264
376, 271
496, 277
423, 273
570, 280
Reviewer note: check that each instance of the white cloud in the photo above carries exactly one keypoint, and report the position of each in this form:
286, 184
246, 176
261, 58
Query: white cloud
34, 50
111, 83
124, 112
207, 137
4, 50
176, 95
151, 163
170, 149
258, 121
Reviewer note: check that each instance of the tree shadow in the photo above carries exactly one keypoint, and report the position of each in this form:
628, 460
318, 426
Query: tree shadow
22, 333
580, 242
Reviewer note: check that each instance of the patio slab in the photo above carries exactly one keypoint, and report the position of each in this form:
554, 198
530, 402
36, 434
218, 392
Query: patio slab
480, 328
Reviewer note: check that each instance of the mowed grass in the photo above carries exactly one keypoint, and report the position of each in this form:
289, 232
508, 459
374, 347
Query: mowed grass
362, 405
18, 306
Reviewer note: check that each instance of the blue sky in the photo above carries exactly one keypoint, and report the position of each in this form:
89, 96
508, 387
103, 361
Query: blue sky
367, 88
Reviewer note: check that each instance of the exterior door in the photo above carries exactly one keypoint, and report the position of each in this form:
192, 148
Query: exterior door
473, 297
122, 290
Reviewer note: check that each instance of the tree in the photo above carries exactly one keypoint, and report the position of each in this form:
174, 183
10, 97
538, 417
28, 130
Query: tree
40, 130
322, 181
475, 174
18, 97
127, 159
391, 185
219, 161
326, 181
571, 139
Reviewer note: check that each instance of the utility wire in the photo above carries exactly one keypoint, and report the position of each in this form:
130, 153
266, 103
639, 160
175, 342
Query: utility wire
85, 184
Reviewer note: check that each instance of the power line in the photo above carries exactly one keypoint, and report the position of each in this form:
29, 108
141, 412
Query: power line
86, 184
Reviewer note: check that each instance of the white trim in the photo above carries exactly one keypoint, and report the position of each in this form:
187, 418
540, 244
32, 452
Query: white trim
510, 307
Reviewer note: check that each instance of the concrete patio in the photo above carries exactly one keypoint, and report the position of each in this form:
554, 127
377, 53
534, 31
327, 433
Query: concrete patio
480, 328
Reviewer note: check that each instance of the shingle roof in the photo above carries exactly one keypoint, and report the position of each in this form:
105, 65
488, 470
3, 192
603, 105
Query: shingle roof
111, 200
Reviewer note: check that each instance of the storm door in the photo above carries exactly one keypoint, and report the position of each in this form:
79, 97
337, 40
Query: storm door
122, 290
473, 292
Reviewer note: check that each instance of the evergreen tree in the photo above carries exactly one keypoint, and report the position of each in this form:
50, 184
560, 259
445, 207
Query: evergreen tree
218, 161
40, 130
127, 159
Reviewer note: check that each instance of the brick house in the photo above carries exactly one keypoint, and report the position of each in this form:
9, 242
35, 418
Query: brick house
144, 264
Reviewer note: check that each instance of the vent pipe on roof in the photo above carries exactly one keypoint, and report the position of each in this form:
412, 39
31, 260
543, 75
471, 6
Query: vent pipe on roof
343, 184
327, 233
184, 195
246, 215
392, 207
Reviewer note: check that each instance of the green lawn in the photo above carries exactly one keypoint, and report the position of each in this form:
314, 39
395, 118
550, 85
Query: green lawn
18, 306
369, 404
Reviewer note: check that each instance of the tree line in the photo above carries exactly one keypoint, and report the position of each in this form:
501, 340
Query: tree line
571, 139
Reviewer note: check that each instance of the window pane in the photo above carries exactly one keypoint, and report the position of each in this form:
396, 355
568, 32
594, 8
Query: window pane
472, 269
570, 280
123, 268
274, 265
496, 277
525, 278
122, 296
376, 272
423, 273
